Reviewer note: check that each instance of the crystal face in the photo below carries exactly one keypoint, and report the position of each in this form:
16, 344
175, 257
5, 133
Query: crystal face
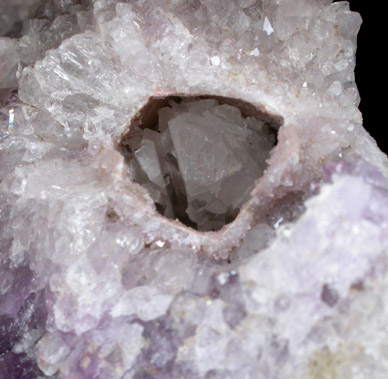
96, 283
201, 161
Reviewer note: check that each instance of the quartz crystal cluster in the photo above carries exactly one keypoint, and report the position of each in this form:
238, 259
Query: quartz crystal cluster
201, 165
187, 191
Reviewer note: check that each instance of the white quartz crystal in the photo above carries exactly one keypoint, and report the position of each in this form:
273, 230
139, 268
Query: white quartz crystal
187, 191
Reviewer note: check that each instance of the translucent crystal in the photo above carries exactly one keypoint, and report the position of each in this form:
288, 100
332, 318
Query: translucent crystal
208, 156
187, 191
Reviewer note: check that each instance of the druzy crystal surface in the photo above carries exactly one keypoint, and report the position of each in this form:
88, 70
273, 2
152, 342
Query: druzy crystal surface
240, 232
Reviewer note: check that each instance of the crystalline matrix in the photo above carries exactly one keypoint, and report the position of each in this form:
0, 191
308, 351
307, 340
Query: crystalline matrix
187, 191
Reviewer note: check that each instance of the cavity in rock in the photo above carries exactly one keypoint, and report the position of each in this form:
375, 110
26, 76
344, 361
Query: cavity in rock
200, 162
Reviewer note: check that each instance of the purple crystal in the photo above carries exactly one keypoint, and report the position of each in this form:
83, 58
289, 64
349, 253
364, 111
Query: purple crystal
18, 366
329, 295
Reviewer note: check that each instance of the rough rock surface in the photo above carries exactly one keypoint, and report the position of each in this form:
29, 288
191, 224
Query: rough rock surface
96, 283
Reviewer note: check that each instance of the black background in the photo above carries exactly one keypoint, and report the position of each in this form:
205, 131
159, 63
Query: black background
369, 78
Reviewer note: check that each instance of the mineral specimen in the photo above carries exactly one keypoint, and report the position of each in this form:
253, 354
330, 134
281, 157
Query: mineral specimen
187, 191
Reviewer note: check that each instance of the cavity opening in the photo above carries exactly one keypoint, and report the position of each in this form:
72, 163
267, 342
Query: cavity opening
199, 157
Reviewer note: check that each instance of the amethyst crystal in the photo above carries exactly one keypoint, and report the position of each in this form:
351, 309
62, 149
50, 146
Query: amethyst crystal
187, 191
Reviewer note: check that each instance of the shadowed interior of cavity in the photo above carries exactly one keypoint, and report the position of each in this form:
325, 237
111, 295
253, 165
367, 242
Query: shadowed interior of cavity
199, 157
